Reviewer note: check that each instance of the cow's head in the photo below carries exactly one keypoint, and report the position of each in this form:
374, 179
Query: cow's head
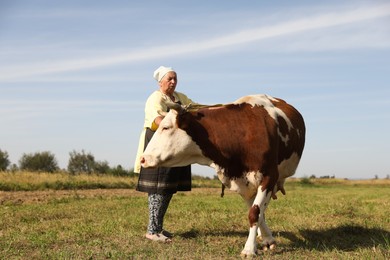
170, 145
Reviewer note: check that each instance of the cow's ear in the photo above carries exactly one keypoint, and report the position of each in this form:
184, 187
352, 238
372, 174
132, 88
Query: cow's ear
183, 121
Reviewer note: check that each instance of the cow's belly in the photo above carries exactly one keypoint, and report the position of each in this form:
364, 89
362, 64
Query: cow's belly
246, 186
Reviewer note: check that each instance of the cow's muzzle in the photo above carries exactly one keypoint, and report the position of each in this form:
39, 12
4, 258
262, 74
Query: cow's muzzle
147, 161
143, 162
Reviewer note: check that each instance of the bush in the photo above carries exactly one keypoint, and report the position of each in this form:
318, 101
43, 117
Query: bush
119, 171
81, 162
85, 163
101, 167
39, 162
306, 181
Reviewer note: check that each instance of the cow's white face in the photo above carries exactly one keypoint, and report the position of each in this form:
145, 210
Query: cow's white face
171, 146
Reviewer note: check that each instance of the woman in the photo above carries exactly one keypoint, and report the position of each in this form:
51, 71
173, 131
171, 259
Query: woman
160, 183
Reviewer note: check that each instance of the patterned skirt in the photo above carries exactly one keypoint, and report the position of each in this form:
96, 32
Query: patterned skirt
163, 180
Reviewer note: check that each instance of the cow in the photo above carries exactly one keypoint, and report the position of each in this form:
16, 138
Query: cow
253, 144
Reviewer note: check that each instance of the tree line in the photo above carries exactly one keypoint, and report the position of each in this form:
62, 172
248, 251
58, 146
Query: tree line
79, 162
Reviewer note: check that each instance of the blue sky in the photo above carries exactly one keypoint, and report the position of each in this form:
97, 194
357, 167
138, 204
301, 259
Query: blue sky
75, 74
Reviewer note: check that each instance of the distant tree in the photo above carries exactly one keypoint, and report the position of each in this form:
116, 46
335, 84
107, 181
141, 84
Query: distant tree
39, 162
102, 167
4, 162
81, 162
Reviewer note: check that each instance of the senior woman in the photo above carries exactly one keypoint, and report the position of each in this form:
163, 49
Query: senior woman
160, 183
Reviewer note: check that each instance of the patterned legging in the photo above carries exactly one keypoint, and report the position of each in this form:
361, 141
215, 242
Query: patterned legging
158, 205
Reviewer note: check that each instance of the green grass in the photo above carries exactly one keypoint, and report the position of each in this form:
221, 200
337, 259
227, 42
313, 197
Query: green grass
342, 220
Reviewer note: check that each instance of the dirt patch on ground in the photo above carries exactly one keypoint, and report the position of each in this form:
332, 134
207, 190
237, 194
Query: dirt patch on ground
31, 197
28, 197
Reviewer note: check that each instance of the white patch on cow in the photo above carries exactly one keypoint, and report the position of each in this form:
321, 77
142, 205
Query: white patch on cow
288, 167
283, 138
280, 113
246, 185
265, 101
259, 100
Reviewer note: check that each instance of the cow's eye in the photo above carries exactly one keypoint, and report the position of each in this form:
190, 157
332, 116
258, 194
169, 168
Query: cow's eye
165, 128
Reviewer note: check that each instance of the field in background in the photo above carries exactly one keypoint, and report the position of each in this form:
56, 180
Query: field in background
317, 219
33, 181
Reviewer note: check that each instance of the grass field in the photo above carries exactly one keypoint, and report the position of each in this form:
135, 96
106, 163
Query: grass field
317, 219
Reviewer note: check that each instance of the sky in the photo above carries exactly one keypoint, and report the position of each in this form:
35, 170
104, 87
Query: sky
75, 75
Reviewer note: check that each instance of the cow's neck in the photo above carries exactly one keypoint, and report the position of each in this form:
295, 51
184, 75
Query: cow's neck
204, 126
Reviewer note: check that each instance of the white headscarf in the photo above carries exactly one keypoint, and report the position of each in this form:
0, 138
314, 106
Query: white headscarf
161, 72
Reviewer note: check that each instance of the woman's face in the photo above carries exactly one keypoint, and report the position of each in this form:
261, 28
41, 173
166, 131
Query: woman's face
168, 83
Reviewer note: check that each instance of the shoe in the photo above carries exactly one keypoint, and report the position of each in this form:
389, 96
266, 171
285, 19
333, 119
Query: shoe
158, 238
167, 233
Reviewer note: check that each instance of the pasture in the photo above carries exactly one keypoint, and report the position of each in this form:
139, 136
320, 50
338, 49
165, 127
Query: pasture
317, 219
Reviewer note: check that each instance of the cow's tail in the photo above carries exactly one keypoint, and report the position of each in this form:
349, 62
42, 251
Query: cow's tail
223, 191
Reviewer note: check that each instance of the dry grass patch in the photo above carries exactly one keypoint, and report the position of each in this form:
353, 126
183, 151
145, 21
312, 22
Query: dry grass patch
30, 181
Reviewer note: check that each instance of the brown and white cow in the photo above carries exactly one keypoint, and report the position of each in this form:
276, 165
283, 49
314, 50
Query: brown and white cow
254, 144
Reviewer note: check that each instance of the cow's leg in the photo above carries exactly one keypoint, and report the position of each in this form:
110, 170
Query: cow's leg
250, 204
256, 219
268, 241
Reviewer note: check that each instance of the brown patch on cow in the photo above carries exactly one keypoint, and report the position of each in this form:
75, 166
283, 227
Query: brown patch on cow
253, 215
236, 137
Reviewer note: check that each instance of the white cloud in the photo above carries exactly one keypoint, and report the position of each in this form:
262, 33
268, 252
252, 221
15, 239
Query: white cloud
79, 79
11, 110
365, 36
287, 28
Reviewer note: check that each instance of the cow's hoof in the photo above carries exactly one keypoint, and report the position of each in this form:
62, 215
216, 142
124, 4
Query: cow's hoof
247, 253
270, 246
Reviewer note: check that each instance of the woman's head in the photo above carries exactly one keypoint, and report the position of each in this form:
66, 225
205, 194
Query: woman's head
167, 79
